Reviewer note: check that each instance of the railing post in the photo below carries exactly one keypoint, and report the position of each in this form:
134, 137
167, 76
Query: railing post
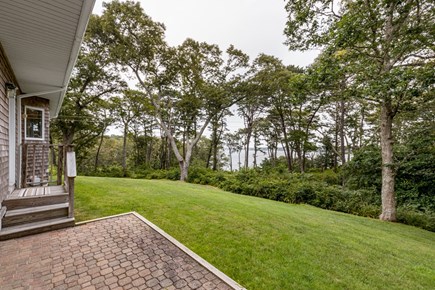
43, 172
71, 173
34, 164
51, 162
60, 164
24, 167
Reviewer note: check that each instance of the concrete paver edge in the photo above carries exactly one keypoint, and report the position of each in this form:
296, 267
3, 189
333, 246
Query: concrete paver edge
230, 282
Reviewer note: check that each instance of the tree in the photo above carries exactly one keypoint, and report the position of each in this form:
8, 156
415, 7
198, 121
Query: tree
127, 110
232, 143
82, 117
106, 113
388, 46
189, 78
217, 127
250, 108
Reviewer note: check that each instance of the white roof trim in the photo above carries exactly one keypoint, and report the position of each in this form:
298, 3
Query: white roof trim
41, 40
42, 93
87, 8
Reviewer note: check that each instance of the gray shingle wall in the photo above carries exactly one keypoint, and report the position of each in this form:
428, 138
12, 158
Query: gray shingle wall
40, 168
6, 75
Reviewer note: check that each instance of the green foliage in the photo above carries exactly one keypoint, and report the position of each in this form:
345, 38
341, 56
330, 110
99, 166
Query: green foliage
364, 170
83, 116
415, 173
385, 48
366, 65
264, 244
110, 171
171, 174
317, 189
420, 219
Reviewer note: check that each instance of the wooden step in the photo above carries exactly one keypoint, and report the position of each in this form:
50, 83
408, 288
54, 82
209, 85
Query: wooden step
34, 228
33, 201
34, 214
36, 191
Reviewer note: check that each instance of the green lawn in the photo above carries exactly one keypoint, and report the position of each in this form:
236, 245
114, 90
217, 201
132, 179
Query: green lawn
263, 244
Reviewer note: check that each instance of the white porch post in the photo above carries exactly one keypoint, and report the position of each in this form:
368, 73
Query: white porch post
12, 139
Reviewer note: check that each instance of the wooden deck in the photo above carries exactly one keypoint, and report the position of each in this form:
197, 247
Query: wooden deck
36, 191
34, 210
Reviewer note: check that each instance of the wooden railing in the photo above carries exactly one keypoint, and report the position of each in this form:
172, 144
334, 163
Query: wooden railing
49, 164
42, 164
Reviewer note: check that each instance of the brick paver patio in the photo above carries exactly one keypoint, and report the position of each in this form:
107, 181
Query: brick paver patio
121, 252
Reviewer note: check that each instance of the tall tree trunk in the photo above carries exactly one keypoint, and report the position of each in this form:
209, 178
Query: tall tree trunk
168, 153
68, 137
216, 142
213, 144
254, 161
184, 170
97, 156
248, 140
231, 158
149, 151
342, 136
299, 154
215, 157
124, 151
210, 149
337, 129
184, 164
184, 142
240, 162
287, 145
303, 161
53, 151
388, 171
163, 144
361, 128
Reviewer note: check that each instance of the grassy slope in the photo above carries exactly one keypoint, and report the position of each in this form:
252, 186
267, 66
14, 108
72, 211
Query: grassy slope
264, 244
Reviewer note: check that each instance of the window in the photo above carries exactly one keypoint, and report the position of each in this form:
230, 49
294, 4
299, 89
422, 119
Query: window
34, 123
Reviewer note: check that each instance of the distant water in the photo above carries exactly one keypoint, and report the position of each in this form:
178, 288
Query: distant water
260, 157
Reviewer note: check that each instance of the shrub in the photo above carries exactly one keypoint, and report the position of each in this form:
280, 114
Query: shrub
173, 174
305, 194
410, 216
317, 189
110, 171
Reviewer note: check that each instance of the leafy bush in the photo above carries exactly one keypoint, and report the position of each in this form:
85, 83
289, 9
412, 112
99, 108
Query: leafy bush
108, 171
410, 216
172, 174
317, 189
364, 170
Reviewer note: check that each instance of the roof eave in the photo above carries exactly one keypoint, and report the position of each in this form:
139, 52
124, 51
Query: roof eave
87, 8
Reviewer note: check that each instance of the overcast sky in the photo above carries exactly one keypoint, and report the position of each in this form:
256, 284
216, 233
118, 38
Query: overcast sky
254, 26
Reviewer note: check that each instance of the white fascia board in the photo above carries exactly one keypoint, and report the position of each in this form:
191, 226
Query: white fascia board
88, 6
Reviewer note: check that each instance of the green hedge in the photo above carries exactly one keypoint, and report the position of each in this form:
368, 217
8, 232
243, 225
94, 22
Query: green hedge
317, 189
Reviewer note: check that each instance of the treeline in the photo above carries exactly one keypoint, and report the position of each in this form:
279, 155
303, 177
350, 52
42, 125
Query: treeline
364, 109
318, 187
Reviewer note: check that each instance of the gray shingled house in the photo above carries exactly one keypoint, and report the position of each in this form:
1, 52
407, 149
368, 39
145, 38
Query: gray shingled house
39, 44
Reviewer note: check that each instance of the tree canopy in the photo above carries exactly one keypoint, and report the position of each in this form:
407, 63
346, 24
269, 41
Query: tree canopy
362, 113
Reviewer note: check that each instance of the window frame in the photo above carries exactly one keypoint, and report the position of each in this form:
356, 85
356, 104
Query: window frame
25, 123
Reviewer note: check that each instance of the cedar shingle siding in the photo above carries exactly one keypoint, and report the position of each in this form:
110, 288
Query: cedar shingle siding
40, 168
6, 75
